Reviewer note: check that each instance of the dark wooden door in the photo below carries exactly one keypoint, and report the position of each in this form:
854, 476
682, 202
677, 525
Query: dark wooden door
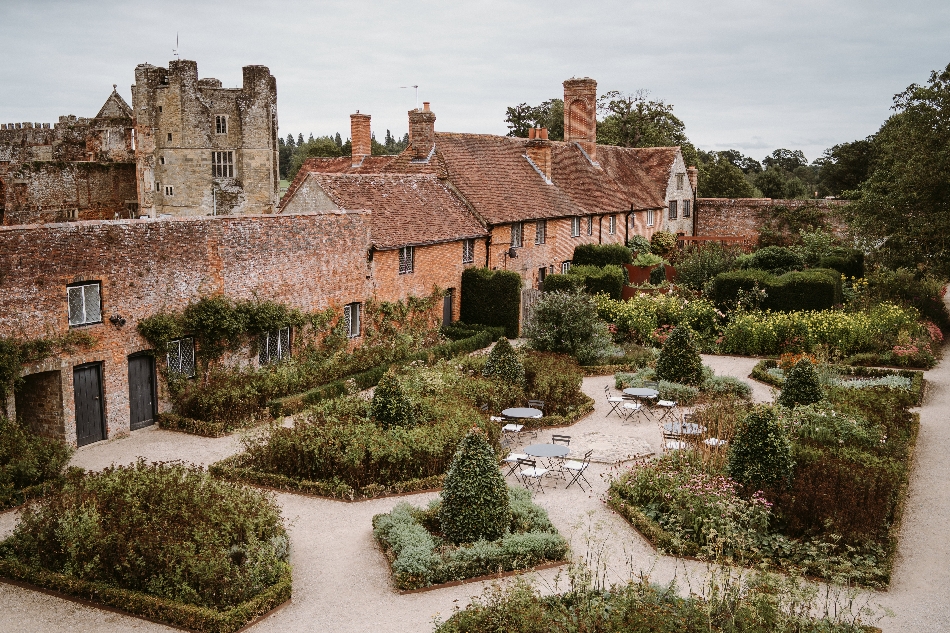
141, 391
447, 306
87, 389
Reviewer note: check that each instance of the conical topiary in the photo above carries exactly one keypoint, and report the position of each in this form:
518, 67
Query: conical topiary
391, 406
503, 364
475, 496
801, 386
761, 453
679, 359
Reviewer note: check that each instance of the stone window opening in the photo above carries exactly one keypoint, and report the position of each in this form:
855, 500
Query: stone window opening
468, 251
220, 124
84, 303
517, 233
612, 225
575, 227
181, 357
679, 182
673, 209
159, 109
158, 186
351, 319
274, 346
565, 267
169, 190
590, 225
540, 231
650, 217
161, 160
169, 137
222, 164
406, 260
686, 208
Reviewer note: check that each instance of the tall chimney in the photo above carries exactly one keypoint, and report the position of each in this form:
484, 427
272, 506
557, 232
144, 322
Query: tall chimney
538, 150
360, 137
421, 131
580, 114
693, 174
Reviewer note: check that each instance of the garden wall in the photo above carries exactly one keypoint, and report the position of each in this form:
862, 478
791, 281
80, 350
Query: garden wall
745, 217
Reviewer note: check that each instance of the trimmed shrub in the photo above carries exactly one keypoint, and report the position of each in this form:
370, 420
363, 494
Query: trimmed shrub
847, 261
662, 243
27, 462
679, 359
503, 364
568, 324
556, 380
814, 289
475, 495
492, 297
774, 259
563, 283
608, 280
761, 454
726, 286
801, 386
697, 265
601, 255
392, 406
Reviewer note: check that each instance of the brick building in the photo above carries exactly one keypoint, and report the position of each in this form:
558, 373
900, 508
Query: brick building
200, 148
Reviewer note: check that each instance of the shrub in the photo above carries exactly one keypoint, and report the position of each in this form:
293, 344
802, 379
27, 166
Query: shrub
774, 259
679, 359
698, 265
166, 530
761, 453
392, 406
647, 259
801, 386
503, 364
492, 297
568, 324
638, 244
815, 289
662, 243
600, 255
563, 283
475, 495
556, 380
608, 280
27, 461
727, 385
847, 261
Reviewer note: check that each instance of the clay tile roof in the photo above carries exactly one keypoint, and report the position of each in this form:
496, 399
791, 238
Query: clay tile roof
339, 165
642, 172
406, 208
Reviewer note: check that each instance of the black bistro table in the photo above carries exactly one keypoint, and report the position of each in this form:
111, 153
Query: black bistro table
641, 392
547, 451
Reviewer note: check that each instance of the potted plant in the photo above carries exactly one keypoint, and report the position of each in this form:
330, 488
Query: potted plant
639, 270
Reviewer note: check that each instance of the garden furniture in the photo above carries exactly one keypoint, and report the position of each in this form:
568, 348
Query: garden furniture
613, 401
531, 472
521, 413
714, 442
643, 394
547, 452
512, 461
630, 409
684, 428
557, 463
673, 442
669, 406
577, 468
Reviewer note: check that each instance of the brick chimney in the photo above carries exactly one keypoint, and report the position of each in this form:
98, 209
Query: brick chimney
580, 114
360, 137
693, 174
538, 150
421, 131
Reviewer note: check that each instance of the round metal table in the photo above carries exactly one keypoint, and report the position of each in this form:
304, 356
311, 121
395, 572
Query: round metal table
546, 450
641, 392
522, 412
684, 428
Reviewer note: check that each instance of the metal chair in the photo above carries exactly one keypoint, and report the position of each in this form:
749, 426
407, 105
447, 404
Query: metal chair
577, 468
512, 461
613, 401
669, 407
537, 404
631, 409
557, 463
530, 472
673, 442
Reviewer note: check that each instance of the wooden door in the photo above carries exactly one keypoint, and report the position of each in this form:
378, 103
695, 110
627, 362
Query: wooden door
87, 390
447, 306
141, 391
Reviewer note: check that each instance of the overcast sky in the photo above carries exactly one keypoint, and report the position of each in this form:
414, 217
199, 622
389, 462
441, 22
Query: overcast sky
750, 75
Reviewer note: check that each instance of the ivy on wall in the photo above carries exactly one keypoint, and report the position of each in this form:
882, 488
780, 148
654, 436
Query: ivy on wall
14, 354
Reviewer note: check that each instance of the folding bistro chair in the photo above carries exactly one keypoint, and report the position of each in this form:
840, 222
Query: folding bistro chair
614, 402
630, 409
530, 472
512, 461
537, 404
672, 441
577, 468
557, 463
669, 408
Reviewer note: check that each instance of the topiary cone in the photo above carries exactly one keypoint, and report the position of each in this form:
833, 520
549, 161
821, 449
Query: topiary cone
679, 359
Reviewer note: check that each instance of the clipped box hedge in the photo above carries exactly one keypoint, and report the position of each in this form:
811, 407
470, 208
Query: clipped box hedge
608, 280
813, 289
916, 392
601, 255
493, 298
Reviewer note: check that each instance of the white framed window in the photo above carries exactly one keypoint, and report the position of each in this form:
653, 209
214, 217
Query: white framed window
679, 181
673, 209
590, 225
575, 227
84, 303
274, 346
351, 319
468, 251
650, 217
181, 356
517, 234
220, 124
540, 231
686, 208
565, 266
222, 164
612, 225
406, 260
169, 190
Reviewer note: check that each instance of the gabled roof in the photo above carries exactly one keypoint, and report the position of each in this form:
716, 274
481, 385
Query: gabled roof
653, 165
406, 209
339, 165
115, 107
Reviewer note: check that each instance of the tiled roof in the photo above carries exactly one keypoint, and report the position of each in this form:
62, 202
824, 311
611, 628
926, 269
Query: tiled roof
339, 165
642, 172
406, 209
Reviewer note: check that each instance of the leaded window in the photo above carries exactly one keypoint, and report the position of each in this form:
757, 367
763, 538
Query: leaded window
220, 124
540, 231
222, 164
565, 267
650, 217
351, 319
686, 208
468, 251
590, 225
517, 235
612, 225
673, 209
575, 227
181, 356
406, 257
274, 346
85, 304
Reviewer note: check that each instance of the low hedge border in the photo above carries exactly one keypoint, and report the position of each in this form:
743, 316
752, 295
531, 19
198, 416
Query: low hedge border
288, 405
549, 421
608, 370
760, 373
35, 491
659, 539
153, 608
234, 469
205, 428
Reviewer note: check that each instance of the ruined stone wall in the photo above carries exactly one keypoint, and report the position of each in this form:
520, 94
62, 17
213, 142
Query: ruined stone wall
307, 261
746, 217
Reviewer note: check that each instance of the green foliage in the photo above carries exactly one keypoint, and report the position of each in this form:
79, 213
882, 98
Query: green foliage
698, 265
774, 259
720, 178
166, 530
801, 386
761, 453
845, 167
15, 353
635, 120
568, 324
557, 282
783, 225
608, 280
647, 259
475, 496
679, 359
27, 462
638, 244
392, 406
662, 243
503, 364
556, 380
492, 297
847, 261
523, 117
909, 288
600, 255
813, 289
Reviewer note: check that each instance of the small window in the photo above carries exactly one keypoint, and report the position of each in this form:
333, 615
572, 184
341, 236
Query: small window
540, 231
650, 219
159, 109
679, 182
85, 304
161, 160
590, 225
517, 235
565, 266
222, 164
686, 208
274, 346
181, 356
575, 227
612, 225
406, 257
169, 190
169, 137
158, 186
351, 319
672, 209
220, 124
468, 251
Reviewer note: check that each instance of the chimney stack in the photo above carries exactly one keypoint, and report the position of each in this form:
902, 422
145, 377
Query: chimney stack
360, 137
421, 131
538, 150
580, 114
693, 174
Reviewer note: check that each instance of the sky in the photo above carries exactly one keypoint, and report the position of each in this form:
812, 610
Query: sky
752, 75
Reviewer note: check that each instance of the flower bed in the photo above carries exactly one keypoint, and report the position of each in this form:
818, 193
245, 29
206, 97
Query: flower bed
641, 317
420, 556
164, 542
30, 464
852, 377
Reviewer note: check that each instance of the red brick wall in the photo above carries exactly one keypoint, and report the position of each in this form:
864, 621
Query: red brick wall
745, 216
308, 261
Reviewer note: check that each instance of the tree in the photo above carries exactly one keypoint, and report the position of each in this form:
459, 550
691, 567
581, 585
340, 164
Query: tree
679, 359
747, 164
761, 453
475, 503
567, 323
637, 121
392, 406
771, 183
903, 208
845, 167
549, 114
785, 159
503, 364
721, 178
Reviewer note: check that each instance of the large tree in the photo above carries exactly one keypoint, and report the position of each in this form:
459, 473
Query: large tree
719, 177
550, 115
903, 208
845, 166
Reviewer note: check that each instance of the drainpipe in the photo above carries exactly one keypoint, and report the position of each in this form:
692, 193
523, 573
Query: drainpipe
626, 226
488, 249
600, 229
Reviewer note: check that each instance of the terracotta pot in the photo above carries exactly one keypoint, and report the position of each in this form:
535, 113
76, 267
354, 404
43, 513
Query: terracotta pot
671, 274
639, 274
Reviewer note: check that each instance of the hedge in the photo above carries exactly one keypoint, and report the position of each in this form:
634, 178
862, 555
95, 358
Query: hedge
493, 298
847, 261
761, 373
813, 289
601, 255
608, 280
150, 607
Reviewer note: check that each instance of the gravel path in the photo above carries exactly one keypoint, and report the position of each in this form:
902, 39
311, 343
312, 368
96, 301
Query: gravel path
341, 580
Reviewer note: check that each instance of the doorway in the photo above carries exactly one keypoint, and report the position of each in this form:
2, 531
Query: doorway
447, 301
87, 390
141, 391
